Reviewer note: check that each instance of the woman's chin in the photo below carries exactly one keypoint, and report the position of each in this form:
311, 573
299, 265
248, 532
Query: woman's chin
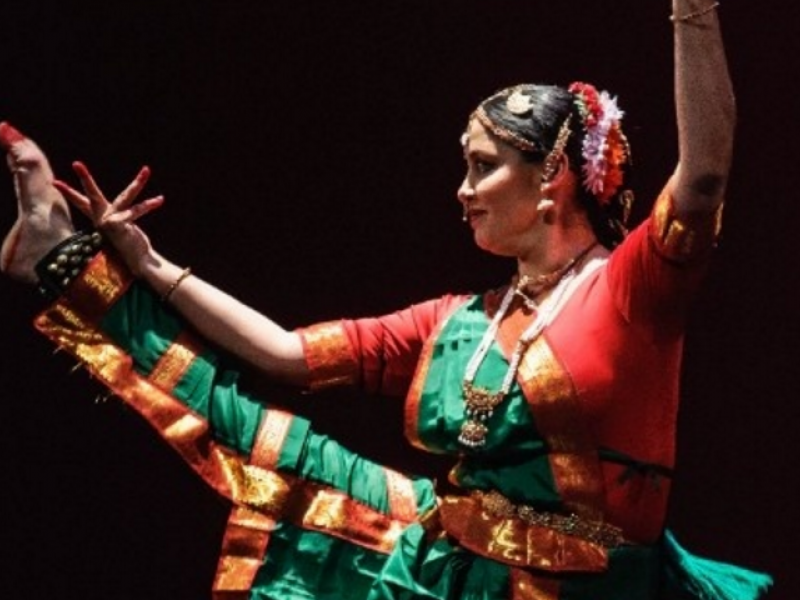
492, 246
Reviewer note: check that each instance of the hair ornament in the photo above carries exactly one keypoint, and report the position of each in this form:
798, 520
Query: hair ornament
518, 103
605, 148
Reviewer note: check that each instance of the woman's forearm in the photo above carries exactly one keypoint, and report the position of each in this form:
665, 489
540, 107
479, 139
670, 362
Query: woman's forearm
227, 322
706, 112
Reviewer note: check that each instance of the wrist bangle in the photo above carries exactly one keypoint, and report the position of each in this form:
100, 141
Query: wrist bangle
65, 261
694, 15
174, 285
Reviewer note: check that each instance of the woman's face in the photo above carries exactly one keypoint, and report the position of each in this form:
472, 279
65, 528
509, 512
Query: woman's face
499, 194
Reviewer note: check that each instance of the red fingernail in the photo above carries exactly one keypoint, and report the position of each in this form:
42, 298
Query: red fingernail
9, 135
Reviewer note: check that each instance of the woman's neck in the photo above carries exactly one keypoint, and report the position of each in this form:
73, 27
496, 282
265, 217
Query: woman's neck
557, 255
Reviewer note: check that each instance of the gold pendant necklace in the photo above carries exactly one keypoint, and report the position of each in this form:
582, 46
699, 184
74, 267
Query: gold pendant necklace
479, 402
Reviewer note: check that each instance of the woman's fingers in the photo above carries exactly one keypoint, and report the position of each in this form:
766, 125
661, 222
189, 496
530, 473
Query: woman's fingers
98, 201
74, 197
135, 212
102, 212
130, 193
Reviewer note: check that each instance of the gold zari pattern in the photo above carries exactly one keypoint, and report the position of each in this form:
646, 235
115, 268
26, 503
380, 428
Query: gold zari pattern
243, 549
596, 532
683, 238
248, 532
174, 363
260, 494
573, 454
100, 285
515, 542
329, 356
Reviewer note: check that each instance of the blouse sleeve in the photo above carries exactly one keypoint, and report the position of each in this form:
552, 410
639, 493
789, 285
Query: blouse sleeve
656, 270
379, 354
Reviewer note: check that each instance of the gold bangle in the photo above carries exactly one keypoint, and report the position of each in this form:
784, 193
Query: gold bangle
694, 15
174, 286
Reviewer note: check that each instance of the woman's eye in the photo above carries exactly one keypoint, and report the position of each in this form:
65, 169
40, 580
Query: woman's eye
483, 166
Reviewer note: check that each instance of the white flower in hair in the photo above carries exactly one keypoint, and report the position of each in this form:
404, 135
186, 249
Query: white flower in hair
595, 143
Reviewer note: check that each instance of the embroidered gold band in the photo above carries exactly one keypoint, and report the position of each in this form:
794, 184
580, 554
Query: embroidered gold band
248, 532
243, 549
597, 532
683, 238
402, 499
517, 542
100, 285
329, 355
316, 507
561, 422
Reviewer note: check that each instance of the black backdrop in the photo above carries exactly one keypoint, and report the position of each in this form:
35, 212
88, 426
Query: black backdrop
309, 154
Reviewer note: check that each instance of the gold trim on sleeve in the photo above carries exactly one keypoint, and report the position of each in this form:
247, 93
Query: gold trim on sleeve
686, 237
329, 355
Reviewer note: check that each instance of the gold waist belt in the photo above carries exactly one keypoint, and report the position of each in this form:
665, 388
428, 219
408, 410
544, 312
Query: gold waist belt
489, 524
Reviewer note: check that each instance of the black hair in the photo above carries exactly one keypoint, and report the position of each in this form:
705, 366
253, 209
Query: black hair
533, 131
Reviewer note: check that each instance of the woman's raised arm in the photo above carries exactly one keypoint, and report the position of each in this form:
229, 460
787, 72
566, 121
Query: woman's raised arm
706, 111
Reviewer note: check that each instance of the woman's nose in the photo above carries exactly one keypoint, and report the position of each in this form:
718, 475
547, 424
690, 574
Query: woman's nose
466, 191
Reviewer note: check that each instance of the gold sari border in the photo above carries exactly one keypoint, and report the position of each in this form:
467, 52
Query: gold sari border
248, 532
558, 416
261, 496
317, 507
243, 550
309, 505
329, 355
104, 280
515, 542
683, 238
183, 429
175, 362
271, 436
417, 387
414, 396
402, 499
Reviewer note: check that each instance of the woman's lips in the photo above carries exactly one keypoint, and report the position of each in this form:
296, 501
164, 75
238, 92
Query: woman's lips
474, 214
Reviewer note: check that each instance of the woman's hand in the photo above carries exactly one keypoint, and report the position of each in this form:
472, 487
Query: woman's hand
116, 220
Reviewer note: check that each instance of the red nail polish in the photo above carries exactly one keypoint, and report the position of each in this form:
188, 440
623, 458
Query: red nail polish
9, 135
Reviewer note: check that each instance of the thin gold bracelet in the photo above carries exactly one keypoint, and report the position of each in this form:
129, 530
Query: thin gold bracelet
174, 286
694, 15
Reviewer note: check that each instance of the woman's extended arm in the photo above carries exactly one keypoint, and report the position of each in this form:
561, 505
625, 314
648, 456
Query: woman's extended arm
224, 320
706, 111
218, 316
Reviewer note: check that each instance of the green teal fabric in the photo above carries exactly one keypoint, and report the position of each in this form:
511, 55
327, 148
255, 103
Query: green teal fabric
302, 564
307, 564
145, 328
690, 577
514, 460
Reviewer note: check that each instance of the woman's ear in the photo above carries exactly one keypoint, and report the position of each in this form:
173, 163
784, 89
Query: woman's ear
555, 169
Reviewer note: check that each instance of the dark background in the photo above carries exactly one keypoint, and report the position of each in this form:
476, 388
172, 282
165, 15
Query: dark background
309, 155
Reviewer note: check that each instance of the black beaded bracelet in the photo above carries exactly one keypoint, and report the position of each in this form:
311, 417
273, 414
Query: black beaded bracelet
66, 261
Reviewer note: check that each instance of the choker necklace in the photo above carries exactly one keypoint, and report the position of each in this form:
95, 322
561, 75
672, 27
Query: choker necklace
529, 288
480, 402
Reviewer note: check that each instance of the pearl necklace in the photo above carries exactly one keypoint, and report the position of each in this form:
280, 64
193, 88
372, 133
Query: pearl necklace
480, 402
